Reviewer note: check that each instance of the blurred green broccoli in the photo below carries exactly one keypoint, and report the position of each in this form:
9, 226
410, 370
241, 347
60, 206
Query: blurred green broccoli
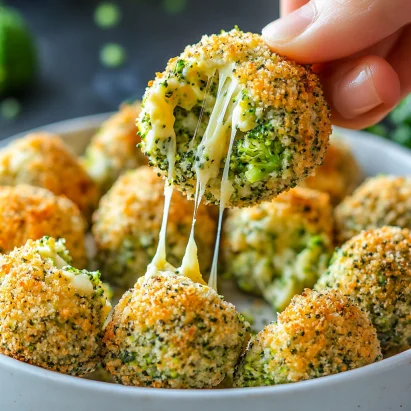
18, 56
397, 125
107, 15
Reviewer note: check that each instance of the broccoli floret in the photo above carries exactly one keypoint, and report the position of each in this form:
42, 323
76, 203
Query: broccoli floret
259, 153
56, 250
94, 276
178, 71
402, 113
402, 135
379, 130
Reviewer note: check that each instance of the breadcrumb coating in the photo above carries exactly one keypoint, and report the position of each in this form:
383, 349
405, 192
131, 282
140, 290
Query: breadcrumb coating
281, 117
379, 201
41, 159
171, 332
318, 334
28, 212
374, 268
127, 224
339, 174
51, 314
113, 149
278, 248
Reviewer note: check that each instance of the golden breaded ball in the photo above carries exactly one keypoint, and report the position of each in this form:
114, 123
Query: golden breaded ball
51, 314
170, 332
278, 248
339, 174
43, 160
280, 117
318, 334
113, 149
374, 268
127, 224
379, 201
29, 213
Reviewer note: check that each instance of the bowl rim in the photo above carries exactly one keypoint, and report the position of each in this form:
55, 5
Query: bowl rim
164, 393
92, 122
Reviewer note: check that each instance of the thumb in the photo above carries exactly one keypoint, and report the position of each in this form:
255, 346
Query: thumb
325, 30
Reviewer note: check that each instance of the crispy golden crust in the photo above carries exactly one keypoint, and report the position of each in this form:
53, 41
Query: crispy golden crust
374, 268
280, 247
310, 205
127, 224
379, 201
318, 334
174, 333
257, 69
45, 319
113, 149
339, 174
28, 212
42, 159
282, 114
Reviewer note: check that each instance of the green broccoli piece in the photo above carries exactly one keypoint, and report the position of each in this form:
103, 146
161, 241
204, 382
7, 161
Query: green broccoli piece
18, 54
402, 113
174, 6
402, 135
379, 130
259, 153
178, 71
94, 276
113, 55
107, 15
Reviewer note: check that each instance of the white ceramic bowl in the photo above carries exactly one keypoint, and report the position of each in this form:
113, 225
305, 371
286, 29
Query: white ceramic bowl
378, 387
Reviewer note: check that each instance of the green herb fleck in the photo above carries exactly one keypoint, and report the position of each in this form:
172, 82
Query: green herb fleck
112, 55
174, 6
10, 108
107, 15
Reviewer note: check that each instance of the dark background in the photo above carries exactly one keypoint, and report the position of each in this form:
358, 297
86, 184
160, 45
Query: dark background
72, 81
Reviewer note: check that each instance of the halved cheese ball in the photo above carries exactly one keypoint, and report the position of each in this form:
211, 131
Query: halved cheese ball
232, 86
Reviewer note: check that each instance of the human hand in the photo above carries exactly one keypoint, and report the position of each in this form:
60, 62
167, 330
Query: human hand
361, 50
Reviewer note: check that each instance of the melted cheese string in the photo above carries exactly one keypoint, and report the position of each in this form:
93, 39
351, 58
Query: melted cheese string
190, 266
159, 262
225, 193
212, 147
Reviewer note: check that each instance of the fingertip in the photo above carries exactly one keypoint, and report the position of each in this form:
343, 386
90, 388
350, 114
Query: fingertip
361, 91
386, 81
288, 6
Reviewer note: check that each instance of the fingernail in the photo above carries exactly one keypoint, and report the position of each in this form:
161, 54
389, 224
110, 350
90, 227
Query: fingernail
287, 28
355, 93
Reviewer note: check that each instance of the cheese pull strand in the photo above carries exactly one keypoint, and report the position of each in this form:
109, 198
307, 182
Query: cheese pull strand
159, 262
225, 193
209, 155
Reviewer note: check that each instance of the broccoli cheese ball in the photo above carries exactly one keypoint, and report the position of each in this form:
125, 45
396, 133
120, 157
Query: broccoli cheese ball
171, 332
42, 159
278, 248
231, 86
379, 201
318, 334
374, 268
339, 174
51, 314
113, 149
28, 212
127, 224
